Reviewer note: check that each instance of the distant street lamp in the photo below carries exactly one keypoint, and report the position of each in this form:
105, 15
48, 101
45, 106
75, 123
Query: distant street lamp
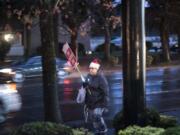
8, 37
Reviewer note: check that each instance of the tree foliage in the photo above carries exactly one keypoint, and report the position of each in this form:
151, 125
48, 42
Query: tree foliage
165, 13
104, 18
165, 8
104, 12
73, 13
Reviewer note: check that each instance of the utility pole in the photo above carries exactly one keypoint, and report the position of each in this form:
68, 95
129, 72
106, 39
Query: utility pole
134, 57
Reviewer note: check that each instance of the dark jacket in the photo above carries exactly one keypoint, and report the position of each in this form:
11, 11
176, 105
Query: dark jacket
97, 92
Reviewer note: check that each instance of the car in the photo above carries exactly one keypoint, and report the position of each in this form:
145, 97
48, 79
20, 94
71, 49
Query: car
174, 48
96, 41
32, 67
10, 99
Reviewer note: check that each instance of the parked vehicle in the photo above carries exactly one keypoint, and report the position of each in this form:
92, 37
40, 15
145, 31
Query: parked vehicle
32, 67
174, 48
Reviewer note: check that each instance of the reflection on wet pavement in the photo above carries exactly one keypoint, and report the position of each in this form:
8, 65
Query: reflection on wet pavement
162, 81
162, 92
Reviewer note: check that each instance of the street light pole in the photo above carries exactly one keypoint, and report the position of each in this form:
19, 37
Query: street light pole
134, 57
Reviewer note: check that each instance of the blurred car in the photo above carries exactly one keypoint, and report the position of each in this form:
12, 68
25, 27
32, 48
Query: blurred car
32, 67
10, 100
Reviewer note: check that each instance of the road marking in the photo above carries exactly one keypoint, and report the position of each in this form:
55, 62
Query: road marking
162, 92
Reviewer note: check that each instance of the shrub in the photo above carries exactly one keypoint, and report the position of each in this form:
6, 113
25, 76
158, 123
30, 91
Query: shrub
149, 60
81, 131
118, 121
172, 131
114, 60
148, 117
149, 45
157, 58
153, 118
42, 128
136, 130
167, 121
47, 128
4, 49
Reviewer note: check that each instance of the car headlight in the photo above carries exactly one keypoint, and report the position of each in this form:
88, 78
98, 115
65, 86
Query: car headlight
12, 86
66, 68
7, 70
8, 88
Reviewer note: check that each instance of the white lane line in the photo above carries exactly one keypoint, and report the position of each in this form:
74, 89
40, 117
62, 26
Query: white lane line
163, 91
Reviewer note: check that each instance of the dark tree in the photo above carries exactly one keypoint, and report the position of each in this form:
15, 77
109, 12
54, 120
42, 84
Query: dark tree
56, 32
51, 104
74, 13
105, 18
165, 13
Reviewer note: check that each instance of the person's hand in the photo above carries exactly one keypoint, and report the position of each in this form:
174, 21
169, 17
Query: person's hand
85, 84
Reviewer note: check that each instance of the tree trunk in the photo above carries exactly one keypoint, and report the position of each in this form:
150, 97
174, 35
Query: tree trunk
107, 42
27, 30
179, 41
51, 98
164, 30
56, 32
133, 60
74, 46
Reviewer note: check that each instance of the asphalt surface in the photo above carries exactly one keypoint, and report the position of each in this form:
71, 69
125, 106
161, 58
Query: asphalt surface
162, 93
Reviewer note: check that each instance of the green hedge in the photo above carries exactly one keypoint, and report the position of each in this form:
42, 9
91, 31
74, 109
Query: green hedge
81, 131
148, 130
136, 130
148, 118
114, 60
47, 128
149, 60
172, 131
167, 121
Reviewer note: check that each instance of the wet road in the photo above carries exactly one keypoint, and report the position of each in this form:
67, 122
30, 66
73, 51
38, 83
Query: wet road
162, 93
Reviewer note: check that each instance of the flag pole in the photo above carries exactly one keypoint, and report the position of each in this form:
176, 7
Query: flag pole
82, 77
77, 68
